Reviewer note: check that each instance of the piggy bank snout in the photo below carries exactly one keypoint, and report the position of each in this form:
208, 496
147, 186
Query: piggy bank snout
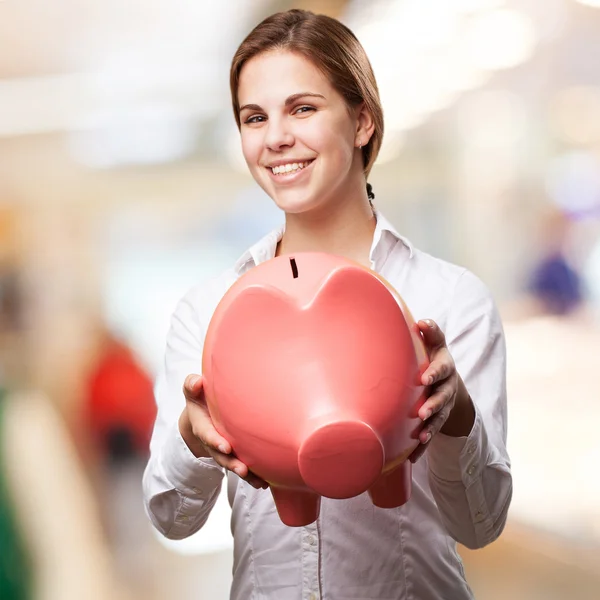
341, 459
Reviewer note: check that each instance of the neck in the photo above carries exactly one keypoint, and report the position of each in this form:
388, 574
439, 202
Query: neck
346, 230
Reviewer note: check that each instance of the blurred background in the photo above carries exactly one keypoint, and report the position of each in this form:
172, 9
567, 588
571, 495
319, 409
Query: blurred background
122, 185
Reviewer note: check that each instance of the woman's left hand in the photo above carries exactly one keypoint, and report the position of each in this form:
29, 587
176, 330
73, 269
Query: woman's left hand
443, 385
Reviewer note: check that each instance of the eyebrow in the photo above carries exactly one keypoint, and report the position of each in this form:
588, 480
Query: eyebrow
289, 100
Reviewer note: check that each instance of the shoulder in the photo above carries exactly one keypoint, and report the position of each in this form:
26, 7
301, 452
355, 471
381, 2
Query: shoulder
437, 289
452, 279
468, 302
429, 276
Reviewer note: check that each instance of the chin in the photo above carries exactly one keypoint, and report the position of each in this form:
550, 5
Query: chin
296, 207
298, 201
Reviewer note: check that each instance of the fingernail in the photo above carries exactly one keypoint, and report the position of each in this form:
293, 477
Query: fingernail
429, 322
238, 471
427, 437
223, 449
194, 381
428, 413
430, 380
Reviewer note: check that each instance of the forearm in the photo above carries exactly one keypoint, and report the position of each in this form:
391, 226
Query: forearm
469, 466
462, 416
471, 482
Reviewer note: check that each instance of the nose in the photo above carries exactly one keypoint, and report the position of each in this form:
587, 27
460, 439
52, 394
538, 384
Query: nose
341, 459
278, 135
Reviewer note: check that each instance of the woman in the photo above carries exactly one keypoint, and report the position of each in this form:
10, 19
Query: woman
307, 106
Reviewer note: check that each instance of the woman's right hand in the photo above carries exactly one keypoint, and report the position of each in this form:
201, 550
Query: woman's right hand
203, 440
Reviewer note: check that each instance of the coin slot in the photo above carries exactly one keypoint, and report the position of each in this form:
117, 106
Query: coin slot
294, 267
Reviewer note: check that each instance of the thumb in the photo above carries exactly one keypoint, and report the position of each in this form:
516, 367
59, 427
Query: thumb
433, 336
193, 388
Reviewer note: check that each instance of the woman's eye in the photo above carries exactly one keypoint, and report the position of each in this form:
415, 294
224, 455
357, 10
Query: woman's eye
254, 119
304, 109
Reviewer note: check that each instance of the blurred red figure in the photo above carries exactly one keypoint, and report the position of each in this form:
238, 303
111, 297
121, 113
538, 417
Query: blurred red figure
332, 411
120, 402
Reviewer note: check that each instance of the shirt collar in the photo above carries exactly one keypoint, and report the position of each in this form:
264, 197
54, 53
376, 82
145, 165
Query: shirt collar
384, 239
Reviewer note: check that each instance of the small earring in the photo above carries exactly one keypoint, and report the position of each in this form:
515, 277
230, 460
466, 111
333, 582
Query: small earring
360, 146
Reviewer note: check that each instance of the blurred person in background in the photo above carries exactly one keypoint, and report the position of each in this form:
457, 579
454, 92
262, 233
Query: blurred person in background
119, 412
51, 544
119, 403
555, 283
307, 106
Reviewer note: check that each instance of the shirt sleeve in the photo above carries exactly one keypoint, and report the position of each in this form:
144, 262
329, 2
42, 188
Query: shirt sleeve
180, 490
470, 476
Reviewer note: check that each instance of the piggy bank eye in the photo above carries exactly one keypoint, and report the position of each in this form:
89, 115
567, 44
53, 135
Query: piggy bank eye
294, 267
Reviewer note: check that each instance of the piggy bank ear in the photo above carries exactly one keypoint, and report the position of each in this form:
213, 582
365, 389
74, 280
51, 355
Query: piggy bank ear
253, 317
358, 294
256, 344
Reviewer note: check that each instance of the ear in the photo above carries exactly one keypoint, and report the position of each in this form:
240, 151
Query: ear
365, 125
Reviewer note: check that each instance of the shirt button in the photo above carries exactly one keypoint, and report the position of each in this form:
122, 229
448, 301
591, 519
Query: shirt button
313, 596
470, 470
197, 490
471, 449
311, 540
184, 518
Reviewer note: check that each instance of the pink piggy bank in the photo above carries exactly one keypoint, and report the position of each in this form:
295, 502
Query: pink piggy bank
312, 369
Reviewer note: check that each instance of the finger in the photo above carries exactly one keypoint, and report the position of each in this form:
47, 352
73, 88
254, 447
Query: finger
256, 481
427, 433
418, 452
433, 426
204, 429
442, 395
231, 463
433, 336
440, 368
239, 468
193, 387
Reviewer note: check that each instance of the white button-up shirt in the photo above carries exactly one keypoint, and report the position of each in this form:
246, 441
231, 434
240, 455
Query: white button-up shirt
462, 487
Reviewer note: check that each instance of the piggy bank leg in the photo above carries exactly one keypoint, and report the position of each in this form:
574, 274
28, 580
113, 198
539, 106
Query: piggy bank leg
394, 488
296, 508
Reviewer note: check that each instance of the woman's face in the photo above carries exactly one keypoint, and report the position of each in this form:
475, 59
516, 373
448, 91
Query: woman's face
299, 139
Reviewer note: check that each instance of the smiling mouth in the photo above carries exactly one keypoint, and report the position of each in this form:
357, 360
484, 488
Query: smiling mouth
291, 167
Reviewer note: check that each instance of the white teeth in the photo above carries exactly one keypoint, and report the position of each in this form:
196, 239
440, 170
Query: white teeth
289, 167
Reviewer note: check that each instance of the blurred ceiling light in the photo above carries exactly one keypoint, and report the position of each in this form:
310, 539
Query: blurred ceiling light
424, 23
142, 135
493, 119
575, 114
432, 61
41, 104
573, 183
593, 3
467, 6
154, 52
500, 39
408, 101
455, 71
406, 26
551, 18
80, 100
